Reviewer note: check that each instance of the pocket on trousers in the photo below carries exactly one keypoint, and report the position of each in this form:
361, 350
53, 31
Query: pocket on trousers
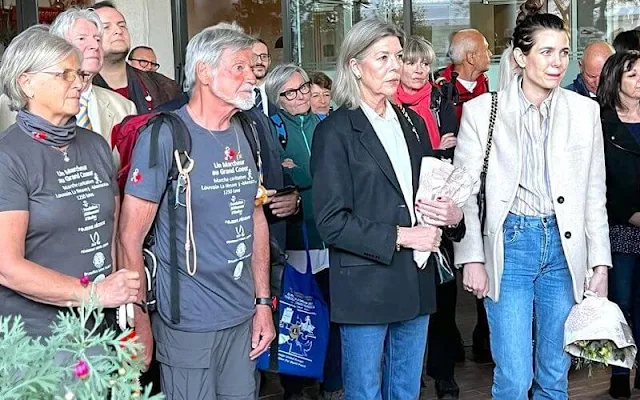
511, 235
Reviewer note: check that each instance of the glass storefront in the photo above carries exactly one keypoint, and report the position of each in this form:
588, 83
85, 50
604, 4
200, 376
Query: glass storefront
47, 10
260, 18
318, 26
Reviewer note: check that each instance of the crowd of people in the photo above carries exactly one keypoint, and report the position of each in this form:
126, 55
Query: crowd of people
271, 167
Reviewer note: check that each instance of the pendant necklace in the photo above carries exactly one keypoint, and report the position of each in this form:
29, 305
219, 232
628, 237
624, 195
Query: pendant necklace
64, 152
229, 153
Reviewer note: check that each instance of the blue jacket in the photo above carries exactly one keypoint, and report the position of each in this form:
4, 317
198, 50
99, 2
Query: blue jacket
579, 86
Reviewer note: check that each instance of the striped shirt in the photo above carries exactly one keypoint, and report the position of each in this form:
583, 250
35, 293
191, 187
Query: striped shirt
533, 196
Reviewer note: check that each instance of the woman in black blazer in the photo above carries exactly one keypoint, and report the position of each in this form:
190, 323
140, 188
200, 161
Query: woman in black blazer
365, 162
619, 96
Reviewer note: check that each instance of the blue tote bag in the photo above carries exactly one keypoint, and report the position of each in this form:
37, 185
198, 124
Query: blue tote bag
301, 323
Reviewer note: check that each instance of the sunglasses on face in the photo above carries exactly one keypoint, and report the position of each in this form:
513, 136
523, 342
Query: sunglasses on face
291, 94
146, 63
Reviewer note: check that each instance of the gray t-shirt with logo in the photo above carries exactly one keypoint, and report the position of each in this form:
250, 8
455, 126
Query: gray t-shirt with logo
71, 204
224, 183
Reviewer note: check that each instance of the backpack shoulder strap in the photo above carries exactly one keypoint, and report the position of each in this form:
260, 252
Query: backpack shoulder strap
281, 129
181, 144
249, 130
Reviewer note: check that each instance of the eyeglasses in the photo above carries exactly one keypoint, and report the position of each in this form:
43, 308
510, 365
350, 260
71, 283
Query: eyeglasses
291, 94
146, 63
263, 57
69, 75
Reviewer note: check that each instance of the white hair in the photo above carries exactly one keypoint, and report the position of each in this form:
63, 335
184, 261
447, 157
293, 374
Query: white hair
64, 22
458, 48
275, 81
208, 45
356, 45
33, 50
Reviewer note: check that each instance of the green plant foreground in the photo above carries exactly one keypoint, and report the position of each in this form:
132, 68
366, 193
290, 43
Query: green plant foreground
75, 362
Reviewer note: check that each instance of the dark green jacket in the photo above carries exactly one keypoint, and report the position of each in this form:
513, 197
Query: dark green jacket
299, 138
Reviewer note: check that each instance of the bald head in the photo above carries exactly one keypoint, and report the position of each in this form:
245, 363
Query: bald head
595, 55
469, 46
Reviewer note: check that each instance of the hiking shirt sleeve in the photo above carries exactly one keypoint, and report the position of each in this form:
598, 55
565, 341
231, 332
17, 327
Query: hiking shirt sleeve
144, 182
14, 195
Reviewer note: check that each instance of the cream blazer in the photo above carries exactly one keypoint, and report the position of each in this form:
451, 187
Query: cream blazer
576, 174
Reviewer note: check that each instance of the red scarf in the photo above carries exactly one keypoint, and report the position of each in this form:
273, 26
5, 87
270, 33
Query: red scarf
420, 102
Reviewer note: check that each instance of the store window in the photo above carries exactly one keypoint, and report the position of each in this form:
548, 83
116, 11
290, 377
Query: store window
48, 10
437, 20
259, 18
604, 19
324, 23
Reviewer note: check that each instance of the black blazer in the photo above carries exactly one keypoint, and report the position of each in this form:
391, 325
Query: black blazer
357, 205
622, 161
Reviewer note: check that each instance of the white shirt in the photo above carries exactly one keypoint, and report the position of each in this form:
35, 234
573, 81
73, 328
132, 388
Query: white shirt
389, 132
469, 85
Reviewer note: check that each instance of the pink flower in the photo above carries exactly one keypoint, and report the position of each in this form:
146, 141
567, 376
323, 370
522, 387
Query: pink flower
81, 370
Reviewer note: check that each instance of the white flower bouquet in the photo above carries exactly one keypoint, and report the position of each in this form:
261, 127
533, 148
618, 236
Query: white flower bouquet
596, 332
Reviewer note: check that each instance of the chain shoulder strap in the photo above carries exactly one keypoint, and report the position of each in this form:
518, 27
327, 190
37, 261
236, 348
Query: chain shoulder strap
413, 127
492, 123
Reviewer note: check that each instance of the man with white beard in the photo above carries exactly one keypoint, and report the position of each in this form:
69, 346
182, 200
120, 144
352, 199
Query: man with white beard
208, 337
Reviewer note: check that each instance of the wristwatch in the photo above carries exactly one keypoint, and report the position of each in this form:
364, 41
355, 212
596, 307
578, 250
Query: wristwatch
267, 301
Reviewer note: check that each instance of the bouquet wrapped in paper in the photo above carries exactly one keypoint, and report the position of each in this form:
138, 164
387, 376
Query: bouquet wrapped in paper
596, 332
441, 179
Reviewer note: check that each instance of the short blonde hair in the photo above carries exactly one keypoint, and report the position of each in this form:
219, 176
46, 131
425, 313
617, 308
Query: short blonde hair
418, 48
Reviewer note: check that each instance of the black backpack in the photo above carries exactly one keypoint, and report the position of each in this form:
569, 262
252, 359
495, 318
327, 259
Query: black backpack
181, 143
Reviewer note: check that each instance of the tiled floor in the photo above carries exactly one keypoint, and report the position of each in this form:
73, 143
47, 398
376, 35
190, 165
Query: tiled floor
475, 379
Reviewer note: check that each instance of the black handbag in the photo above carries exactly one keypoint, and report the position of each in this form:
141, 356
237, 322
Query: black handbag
482, 194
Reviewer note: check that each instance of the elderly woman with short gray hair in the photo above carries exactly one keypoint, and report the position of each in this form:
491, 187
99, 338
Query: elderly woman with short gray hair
290, 88
365, 162
58, 204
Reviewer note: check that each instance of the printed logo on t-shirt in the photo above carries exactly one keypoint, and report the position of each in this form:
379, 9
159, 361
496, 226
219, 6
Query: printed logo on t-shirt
81, 182
230, 154
136, 176
232, 175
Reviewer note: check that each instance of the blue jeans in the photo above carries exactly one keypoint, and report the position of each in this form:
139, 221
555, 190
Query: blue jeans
383, 361
623, 291
536, 295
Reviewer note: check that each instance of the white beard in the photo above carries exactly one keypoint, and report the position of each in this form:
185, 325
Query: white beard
237, 101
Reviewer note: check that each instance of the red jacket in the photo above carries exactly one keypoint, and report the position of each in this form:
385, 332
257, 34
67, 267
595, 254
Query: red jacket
463, 94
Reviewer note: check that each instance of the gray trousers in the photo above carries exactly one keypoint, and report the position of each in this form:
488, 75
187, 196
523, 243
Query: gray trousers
209, 365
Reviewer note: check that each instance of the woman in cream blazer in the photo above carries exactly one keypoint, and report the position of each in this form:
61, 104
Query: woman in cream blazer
546, 222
